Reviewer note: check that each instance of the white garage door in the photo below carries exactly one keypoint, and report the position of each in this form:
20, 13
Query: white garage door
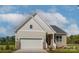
31, 43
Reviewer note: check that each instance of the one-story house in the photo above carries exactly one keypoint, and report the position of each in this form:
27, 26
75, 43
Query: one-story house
35, 33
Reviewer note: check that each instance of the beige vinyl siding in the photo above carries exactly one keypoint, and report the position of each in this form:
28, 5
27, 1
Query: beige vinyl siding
25, 31
63, 42
33, 23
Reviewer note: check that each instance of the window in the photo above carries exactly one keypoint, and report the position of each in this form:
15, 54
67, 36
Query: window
58, 38
31, 26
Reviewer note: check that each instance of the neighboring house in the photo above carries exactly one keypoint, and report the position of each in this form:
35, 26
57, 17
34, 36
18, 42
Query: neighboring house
35, 33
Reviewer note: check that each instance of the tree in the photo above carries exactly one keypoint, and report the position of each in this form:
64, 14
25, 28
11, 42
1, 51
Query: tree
7, 40
73, 39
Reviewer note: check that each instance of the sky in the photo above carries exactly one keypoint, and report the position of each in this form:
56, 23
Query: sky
64, 16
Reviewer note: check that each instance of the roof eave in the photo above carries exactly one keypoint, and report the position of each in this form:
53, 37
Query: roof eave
61, 33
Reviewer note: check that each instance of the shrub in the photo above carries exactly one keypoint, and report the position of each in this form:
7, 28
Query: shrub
1, 48
11, 48
76, 42
7, 47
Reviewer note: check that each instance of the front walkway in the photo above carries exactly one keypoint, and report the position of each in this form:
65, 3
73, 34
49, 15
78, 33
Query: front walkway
30, 51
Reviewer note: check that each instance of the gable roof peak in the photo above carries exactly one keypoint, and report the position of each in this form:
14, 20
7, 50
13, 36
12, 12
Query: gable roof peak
27, 19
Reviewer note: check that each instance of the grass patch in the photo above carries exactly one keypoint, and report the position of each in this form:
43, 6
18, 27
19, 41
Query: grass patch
7, 51
7, 48
71, 48
64, 51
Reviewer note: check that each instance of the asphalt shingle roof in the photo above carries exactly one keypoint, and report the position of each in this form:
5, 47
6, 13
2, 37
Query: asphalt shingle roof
57, 29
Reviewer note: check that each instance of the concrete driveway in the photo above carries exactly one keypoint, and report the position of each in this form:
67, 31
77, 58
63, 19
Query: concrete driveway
30, 51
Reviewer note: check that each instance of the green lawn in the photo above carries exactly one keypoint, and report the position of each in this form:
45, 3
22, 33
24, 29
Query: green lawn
71, 48
7, 51
7, 48
64, 51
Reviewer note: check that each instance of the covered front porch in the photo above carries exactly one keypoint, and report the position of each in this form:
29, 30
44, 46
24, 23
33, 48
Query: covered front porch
54, 40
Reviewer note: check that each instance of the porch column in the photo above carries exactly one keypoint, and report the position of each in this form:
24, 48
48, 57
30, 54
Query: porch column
44, 42
53, 45
52, 41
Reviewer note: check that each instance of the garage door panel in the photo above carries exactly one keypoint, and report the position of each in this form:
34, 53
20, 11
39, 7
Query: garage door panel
31, 43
